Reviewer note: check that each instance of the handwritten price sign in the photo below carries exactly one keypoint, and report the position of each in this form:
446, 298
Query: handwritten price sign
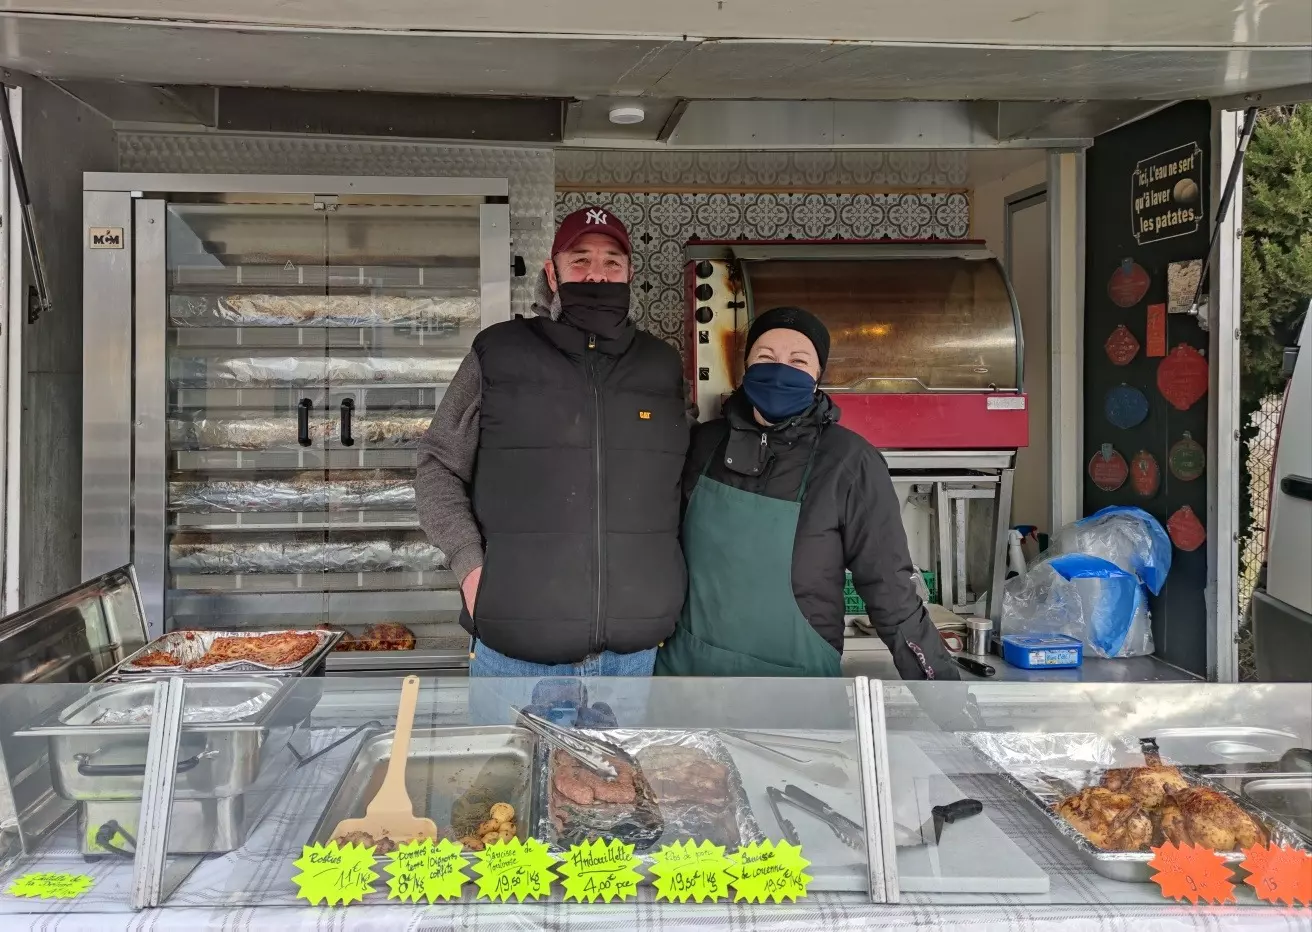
599, 870
1193, 873
769, 871
424, 870
50, 886
514, 868
335, 875
681, 871
1279, 874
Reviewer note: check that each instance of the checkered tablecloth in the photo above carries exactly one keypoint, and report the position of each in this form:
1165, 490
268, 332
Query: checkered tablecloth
251, 889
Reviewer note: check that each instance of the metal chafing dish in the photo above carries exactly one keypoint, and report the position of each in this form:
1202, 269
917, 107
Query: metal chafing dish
190, 646
453, 776
234, 753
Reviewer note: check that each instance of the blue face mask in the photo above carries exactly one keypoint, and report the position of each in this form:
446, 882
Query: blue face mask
777, 390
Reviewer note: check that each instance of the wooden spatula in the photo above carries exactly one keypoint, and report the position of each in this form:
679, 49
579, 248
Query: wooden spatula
390, 813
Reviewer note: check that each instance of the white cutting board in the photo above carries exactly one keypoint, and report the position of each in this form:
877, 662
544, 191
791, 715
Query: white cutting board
974, 855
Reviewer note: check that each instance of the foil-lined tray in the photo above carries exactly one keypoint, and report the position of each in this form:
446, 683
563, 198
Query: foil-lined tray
244, 432
374, 490
270, 371
1044, 769
731, 827
143, 714
266, 553
300, 310
191, 646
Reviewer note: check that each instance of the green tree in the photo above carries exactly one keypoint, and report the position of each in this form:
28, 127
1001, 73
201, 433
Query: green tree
1277, 247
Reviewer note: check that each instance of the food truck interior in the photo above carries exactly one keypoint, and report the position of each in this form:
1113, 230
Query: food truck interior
247, 245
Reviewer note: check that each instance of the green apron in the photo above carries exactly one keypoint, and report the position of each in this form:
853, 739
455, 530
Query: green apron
740, 617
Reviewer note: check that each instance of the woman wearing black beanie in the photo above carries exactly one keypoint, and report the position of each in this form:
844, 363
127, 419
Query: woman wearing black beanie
780, 502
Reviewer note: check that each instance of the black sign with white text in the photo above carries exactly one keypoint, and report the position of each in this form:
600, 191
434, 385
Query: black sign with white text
1166, 194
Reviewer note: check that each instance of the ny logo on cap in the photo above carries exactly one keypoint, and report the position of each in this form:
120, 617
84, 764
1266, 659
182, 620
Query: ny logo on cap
596, 216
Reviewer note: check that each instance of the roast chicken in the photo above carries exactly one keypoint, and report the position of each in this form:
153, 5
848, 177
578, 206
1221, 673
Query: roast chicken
1201, 816
1112, 821
1147, 786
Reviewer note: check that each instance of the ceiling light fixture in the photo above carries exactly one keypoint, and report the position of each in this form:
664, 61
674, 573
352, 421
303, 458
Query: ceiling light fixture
625, 116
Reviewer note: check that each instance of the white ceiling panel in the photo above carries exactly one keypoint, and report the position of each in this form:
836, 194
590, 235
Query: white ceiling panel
1086, 23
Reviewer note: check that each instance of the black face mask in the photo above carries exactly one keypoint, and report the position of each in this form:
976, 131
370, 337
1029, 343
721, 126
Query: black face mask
600, 308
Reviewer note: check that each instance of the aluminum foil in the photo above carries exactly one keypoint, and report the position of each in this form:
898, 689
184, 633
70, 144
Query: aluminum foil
190, 646
142, 714
681, 820
203, 554
271, 433
278, 310
267, 371
1044, 769
311, 492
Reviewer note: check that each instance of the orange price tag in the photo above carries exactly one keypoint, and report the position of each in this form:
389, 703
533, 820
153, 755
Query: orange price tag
1279, 874
1193, 873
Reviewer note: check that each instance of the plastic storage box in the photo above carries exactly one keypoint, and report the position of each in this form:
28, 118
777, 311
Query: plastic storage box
1042, 651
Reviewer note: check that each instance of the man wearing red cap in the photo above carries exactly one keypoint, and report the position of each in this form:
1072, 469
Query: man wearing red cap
550, 474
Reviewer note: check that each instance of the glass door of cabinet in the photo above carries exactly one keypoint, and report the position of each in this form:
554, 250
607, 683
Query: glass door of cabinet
248, 412
409, 268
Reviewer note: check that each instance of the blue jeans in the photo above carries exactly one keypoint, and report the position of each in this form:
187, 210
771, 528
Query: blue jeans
498, 682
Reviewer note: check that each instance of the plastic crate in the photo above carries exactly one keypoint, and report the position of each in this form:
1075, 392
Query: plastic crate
853, 605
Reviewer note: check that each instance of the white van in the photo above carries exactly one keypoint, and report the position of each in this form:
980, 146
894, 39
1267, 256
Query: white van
1282, 607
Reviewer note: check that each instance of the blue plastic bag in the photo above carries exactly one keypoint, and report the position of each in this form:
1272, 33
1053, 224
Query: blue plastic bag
1109, 597
1126, 536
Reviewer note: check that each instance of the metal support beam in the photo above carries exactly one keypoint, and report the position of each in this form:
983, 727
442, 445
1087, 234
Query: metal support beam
1066, 329
1223, 448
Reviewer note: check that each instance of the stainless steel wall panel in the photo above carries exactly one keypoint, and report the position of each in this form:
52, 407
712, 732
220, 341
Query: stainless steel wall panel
150, 453
107, 388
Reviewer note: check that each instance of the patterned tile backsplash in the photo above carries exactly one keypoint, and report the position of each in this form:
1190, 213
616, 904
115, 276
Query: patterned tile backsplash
660, 224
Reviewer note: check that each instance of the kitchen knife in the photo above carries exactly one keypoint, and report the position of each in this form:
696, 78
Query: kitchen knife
932, 830
977, 667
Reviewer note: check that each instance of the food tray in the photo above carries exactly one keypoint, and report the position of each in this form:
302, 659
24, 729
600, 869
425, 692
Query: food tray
1043, 768
191, 645
682, 820
453, 775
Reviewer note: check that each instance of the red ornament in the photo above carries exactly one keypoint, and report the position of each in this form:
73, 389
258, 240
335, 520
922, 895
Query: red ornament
1121, 346
1144, 474
1187, 532
1155, 323
1128, 284
1182, 377
1108, 469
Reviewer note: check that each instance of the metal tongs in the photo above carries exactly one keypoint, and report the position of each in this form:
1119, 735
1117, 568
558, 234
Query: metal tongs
846, 830
590, 752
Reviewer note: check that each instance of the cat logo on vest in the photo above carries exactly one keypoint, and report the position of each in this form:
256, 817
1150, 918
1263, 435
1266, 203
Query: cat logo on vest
644, 415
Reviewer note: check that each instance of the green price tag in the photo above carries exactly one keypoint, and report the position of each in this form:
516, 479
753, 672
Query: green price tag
424, 870
597, 869
768, 871
688, 870
335, 875
514, 868
50, 886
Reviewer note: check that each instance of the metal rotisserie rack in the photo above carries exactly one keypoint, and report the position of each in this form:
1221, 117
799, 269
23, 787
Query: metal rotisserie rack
287, 342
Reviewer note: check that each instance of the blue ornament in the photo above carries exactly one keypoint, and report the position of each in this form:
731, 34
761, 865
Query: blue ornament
1125, 407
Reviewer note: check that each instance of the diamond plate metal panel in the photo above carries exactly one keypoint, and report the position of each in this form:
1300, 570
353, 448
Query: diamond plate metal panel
530, 173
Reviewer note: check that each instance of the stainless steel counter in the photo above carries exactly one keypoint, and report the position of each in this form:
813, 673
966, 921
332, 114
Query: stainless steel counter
867, 656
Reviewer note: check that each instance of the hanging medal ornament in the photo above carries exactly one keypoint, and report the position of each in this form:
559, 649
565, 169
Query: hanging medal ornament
1187, 459
1145, 477
1125, 407
1186, 531
1121, 346
1182, 377
1128, 284
1108, 469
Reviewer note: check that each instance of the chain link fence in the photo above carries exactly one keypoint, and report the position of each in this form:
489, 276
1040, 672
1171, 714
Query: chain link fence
1257, 464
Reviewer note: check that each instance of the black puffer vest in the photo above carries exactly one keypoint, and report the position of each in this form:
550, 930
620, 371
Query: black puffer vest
576, 489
